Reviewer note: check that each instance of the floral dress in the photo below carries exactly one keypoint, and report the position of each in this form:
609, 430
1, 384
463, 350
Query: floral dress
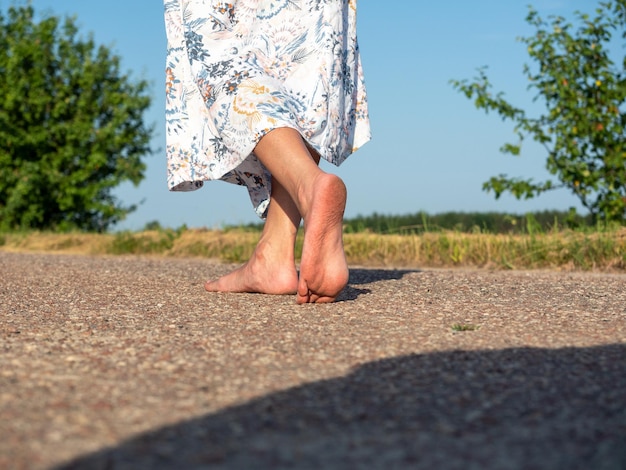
238, 69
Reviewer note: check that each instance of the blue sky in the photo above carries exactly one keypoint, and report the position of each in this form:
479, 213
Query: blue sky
431, 149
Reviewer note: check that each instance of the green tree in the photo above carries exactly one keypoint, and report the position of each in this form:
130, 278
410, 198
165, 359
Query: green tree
71, 127
583, 128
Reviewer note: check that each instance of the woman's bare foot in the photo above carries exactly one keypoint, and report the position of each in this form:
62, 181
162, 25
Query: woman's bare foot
323, 268
321, 200
264, 273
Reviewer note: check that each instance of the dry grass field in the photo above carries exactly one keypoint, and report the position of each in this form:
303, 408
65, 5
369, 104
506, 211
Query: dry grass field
562, 250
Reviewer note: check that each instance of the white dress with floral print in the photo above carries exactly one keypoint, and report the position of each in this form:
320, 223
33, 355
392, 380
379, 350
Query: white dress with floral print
238, 69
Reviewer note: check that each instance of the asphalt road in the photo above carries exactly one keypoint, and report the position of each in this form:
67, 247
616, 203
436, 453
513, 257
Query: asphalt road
126, 363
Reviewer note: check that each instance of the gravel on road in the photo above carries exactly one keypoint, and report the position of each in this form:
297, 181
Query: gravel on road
126, 363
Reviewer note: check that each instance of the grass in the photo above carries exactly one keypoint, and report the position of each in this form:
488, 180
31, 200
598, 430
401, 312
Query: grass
563, 249
554, 250
465, 327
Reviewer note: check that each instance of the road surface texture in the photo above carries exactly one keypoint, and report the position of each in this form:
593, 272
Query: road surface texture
126, 363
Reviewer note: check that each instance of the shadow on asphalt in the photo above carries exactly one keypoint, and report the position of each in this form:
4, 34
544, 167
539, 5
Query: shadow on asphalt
362, 276
513, 409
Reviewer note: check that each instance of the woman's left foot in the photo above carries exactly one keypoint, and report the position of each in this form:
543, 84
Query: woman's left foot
261, 274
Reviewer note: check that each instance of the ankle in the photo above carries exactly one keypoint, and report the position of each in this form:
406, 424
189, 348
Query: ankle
270, 249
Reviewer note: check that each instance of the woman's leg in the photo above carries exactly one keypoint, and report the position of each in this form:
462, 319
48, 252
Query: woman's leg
271, 268
320, 198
